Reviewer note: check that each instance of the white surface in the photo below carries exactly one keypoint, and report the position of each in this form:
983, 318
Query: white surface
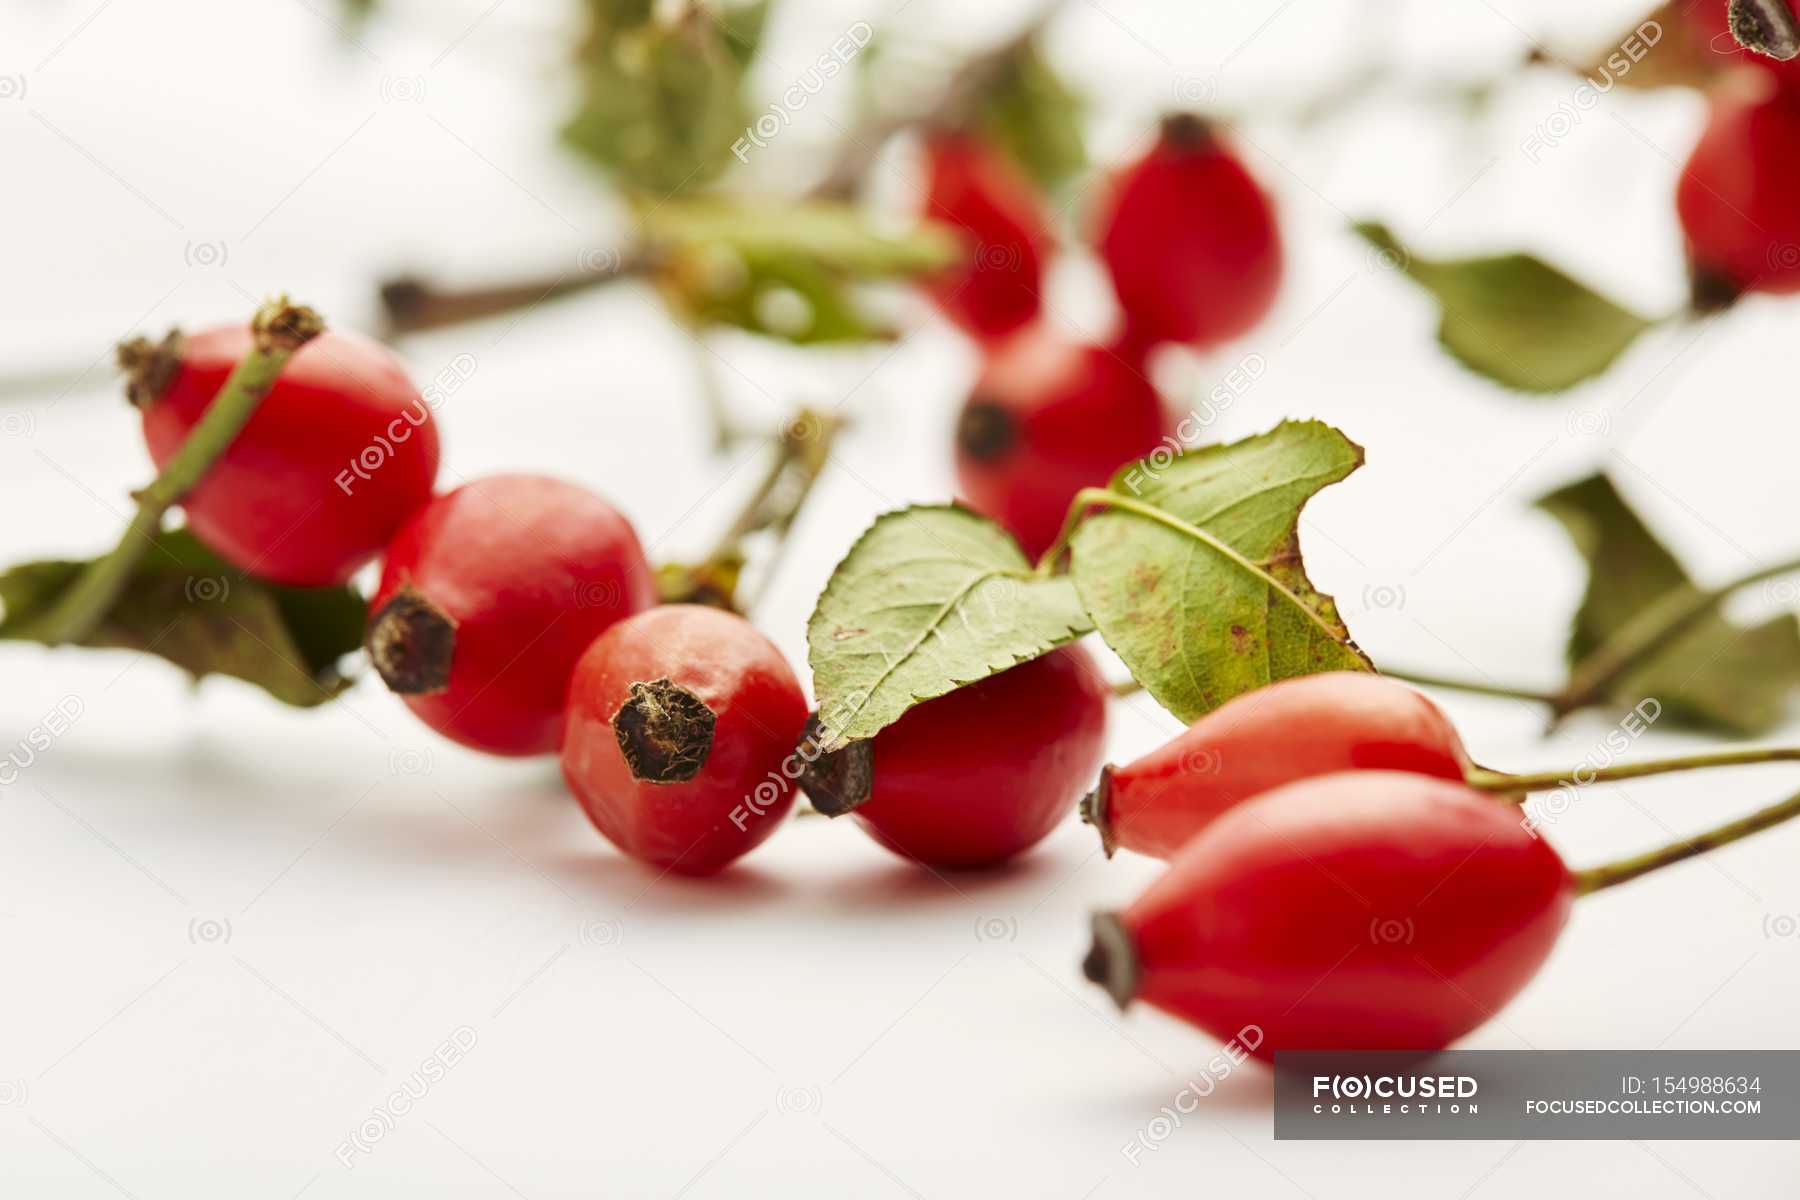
229, 929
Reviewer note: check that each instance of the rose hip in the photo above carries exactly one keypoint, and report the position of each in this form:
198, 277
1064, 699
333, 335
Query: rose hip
488, 596
1739, 198
1364, 911
977, 775
1047, 418
284, 501
679, 722
1190, 240
991, 208
1295, 729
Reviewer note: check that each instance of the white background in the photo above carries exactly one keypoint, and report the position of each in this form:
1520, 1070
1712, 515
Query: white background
229, 929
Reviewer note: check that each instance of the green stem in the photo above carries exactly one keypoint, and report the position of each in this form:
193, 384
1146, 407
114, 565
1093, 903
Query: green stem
1504, 691
1647, 634
1625, 869
1502, 781
280, 329
802, 449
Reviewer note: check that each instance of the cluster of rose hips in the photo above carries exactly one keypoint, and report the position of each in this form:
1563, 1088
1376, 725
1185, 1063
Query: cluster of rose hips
1739, 193
1339, 875
517, 615
1191, 245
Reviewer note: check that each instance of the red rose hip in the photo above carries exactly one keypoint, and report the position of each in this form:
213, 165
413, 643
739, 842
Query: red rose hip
1047, 418
336, 456
977, 775
1739, 198
488, 596
992, 210
1190, 240
1364, 911
679, 722
1291, 730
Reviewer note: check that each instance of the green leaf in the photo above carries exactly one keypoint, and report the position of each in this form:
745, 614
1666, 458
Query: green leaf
188, 606
834, 236
661, 103
1034, 116
929, 599
1719, 675
743, 26
787, 271
1516, 319
1203, 592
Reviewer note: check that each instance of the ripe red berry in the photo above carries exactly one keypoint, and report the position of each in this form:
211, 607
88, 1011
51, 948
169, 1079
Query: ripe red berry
1296, 729
993, 210
680, 721
1739, 198
977, 775
337, 455
1047, 418
1190, 240
1370, 910
489, 595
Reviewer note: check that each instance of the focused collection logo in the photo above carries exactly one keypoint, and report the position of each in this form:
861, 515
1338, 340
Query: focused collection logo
1397, 1095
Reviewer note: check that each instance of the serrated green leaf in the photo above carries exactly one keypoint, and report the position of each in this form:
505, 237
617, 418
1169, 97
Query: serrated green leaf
661, 103
1205, 595
1516, 319
184, 604
929, 599
1034, 117
1719, 675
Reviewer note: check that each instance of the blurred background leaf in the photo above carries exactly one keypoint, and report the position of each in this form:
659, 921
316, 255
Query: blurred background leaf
662, 102
1719, 675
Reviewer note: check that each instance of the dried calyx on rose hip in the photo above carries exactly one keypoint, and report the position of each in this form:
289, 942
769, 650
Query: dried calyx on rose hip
1190, 240
339, 453
488, 596
979, 774
1295, 729
994, 211
679, 723
1048, 417
1371, 910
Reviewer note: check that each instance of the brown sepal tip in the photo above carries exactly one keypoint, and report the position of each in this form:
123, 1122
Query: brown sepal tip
149, 366
837, 781
284, 327
1094, 809
411, 643
1112, 961
1187, 131
986, 430
665, 731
